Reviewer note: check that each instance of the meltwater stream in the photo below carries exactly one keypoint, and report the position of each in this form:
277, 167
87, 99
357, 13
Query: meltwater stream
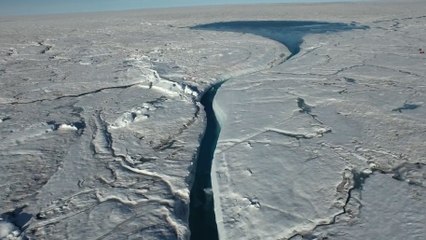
202, 222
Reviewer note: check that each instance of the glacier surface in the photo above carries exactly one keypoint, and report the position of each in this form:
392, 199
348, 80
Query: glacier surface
321, 114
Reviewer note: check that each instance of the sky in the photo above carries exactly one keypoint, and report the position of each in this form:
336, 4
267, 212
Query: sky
34, 7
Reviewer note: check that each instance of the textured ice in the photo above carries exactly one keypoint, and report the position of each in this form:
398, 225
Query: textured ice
296, 137
321, 113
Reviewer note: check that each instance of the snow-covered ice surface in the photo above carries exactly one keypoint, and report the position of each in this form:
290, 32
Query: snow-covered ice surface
322, 122
298, 139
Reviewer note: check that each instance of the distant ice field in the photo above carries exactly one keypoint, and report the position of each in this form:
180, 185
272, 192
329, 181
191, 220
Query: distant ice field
30, 7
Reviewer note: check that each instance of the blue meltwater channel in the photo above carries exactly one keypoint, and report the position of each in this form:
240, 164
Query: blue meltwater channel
202, 222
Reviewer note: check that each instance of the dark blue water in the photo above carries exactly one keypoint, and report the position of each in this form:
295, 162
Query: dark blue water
202, 220
289, 33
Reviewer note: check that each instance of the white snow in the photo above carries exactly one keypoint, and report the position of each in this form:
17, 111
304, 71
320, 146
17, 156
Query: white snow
67, 127
8, 231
